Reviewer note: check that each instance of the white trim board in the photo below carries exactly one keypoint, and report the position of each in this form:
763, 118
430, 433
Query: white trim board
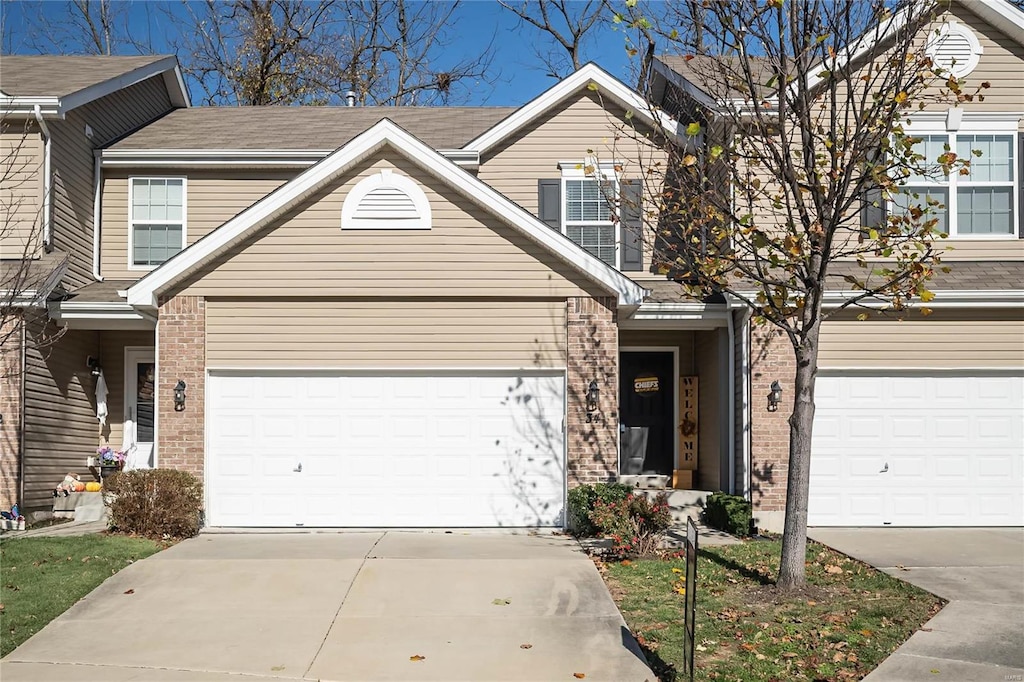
590, 73
248, 222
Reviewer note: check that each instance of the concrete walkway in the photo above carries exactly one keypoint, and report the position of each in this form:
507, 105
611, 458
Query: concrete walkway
979, 635
343, 606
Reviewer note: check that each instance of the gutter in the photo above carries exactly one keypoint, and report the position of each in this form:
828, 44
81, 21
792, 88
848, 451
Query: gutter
47, 182
96, 208
282, 158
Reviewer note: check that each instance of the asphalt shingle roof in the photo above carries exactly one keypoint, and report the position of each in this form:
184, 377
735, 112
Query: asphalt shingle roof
59, 76
306, 128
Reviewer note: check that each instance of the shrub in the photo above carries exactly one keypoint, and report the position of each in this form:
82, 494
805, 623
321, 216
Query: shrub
581, 503
154, 502
635, 524
729, 513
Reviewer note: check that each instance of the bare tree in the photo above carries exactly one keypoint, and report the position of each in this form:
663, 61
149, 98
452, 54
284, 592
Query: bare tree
796, 143
567, 26
388, 52
97, 27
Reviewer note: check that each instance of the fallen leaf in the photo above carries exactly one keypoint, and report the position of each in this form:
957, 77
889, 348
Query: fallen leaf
811, 602
579, 676
277, 668
677, 570
416, 657
925, 629
86, 559
627, 562
129, 591
902, 567
866, 633
760, 656
833, 569
789, 654
501, 602
933, 671
525, 646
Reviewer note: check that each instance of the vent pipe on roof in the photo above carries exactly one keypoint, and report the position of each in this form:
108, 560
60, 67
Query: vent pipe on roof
350, 97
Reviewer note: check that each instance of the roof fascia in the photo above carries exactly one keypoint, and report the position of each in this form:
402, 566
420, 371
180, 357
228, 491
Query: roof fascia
25, 107
686, 85
288, 158
144, 291
607, 85
125, 80
1002, 15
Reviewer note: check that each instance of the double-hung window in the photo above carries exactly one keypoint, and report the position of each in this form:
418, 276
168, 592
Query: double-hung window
156, 220
980, 204
587, 212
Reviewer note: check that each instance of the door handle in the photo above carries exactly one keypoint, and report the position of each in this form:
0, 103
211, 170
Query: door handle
298, 469
884, 469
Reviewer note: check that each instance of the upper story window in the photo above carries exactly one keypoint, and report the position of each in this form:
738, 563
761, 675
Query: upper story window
598, 210
156, 220
981, 204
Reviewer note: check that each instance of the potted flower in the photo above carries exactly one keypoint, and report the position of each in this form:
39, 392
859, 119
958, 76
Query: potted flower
110, 460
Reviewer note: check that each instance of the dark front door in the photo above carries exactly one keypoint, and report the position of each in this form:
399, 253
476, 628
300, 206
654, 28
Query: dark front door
647, 408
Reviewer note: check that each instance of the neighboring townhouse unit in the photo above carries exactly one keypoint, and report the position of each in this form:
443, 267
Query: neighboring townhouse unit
919, 419
347, 316
56, 112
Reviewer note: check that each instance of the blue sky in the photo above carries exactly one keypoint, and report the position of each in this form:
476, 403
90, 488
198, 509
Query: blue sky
520, 75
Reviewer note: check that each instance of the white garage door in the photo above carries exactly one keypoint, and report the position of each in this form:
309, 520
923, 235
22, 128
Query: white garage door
918, 451
397, 451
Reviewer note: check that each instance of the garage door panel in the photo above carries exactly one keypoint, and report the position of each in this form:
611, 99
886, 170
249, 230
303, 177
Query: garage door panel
953, 445
410, 450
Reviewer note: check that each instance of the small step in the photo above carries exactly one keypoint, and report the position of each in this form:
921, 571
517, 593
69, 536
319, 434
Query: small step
80, 506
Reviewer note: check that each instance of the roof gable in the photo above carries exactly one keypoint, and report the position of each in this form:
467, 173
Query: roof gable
589, 75
385, 133
58, 84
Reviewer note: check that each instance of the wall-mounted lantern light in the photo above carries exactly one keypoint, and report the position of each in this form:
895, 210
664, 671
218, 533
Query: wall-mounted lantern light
774, 397
94, 367
593, 394
179, 396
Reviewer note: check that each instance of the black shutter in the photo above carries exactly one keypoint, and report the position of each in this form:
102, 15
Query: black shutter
872, 211
549, 203
631, 218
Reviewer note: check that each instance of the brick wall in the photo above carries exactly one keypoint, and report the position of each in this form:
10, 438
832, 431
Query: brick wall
593, 354
10, 408
771, 360
181, 354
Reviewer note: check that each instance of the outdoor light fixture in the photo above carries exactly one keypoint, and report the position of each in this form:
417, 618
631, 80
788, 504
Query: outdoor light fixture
179, 396
593, 393
94, 367
774, 397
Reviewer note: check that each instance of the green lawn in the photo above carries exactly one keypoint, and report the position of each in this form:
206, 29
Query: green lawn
848, 619
43, 577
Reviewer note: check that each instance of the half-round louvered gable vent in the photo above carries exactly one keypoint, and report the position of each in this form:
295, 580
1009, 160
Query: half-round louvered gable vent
955, 49
386, 201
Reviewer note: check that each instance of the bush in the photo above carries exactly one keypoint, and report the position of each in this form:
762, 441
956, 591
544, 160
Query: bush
581, 503
635, 524
729, 513
154, 502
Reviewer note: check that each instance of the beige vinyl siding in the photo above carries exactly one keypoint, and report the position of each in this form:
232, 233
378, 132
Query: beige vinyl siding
60, 412
945, 339
212, 198
579, 127
683, 341
467, 252
21, 189
407, 333
111, 354
74, 164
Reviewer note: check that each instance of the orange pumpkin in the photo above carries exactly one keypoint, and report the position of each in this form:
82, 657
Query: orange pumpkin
79, 486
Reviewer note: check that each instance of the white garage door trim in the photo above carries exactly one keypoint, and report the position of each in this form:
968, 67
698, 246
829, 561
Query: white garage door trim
898, 495
391, 513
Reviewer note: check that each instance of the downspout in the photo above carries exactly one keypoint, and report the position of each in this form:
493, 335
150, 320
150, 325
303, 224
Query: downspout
45, 130
747, 415
97, 169
21, 416
732, 400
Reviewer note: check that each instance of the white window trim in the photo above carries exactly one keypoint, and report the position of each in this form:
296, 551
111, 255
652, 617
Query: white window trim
390, 179
131, 217
606, 171
969, 126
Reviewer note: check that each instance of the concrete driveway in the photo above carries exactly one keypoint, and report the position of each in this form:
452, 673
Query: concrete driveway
343, 606
979, 635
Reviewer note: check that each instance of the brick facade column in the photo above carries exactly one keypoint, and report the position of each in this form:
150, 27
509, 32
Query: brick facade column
11, 378
181, 354
593, 354
771, 359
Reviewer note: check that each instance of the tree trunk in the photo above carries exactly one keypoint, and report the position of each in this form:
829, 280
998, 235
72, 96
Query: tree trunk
801, 421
